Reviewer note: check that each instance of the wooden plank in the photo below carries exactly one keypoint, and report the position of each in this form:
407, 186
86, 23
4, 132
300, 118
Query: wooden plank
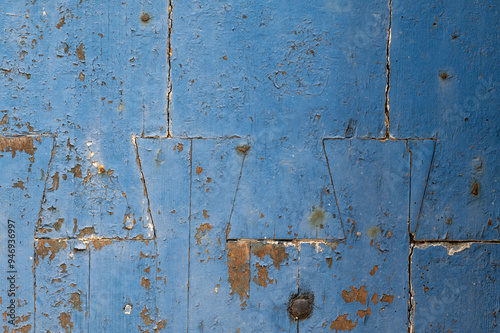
24, 161
122, 286
444, 84
219, 271
274, 273
62, 285
166, 165
369, 287
286, 194
454, 287
279, 70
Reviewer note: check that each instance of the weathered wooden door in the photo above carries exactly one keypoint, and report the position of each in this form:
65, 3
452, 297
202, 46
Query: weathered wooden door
239, 166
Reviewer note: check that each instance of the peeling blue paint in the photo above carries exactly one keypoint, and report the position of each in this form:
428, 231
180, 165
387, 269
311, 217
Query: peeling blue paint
195, 166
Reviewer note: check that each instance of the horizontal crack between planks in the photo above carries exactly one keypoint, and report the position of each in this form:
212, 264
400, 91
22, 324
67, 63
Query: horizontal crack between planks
190, 137
91, 239
288, 242
379, 139
421, 243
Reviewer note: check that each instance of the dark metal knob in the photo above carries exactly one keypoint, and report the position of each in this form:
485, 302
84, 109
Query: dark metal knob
301, 306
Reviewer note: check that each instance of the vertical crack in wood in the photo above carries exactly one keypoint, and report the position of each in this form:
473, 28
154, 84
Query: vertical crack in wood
388, 69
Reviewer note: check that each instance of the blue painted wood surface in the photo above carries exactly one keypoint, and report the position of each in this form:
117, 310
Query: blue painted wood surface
196, 166
454, 98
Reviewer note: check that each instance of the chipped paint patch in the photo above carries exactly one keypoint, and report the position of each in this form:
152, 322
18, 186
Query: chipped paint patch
452, 248
88, 231
17, 144
387, 298
238, 262
145, 283
262, 277
46, 246
24, 329
75, 301
363, 313
100, 243
146, 318
355, 294
65, 322
127, 309
202, 231
277, 252
342, 324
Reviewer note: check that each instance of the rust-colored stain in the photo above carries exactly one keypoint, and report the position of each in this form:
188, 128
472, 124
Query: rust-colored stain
179, 147
363, 313
202, 231
55, 182
61, 22
145, 17
262, 277
43, 230
100, 243
80, 52
87, 178
342, 324
355, 294
76, 171
475, 189
75, 301
205, 214
46, 246
58, 224
22, 319
24, 329
86, 232
4, 120
199, 170
238, 263
387, 298
145, 283
243, 149
17, 144
375, 299
228, 229
329, 261
19, 184
277, 252
160, 325
65, 322
128, 221
145, 316
332, 245
374, 270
